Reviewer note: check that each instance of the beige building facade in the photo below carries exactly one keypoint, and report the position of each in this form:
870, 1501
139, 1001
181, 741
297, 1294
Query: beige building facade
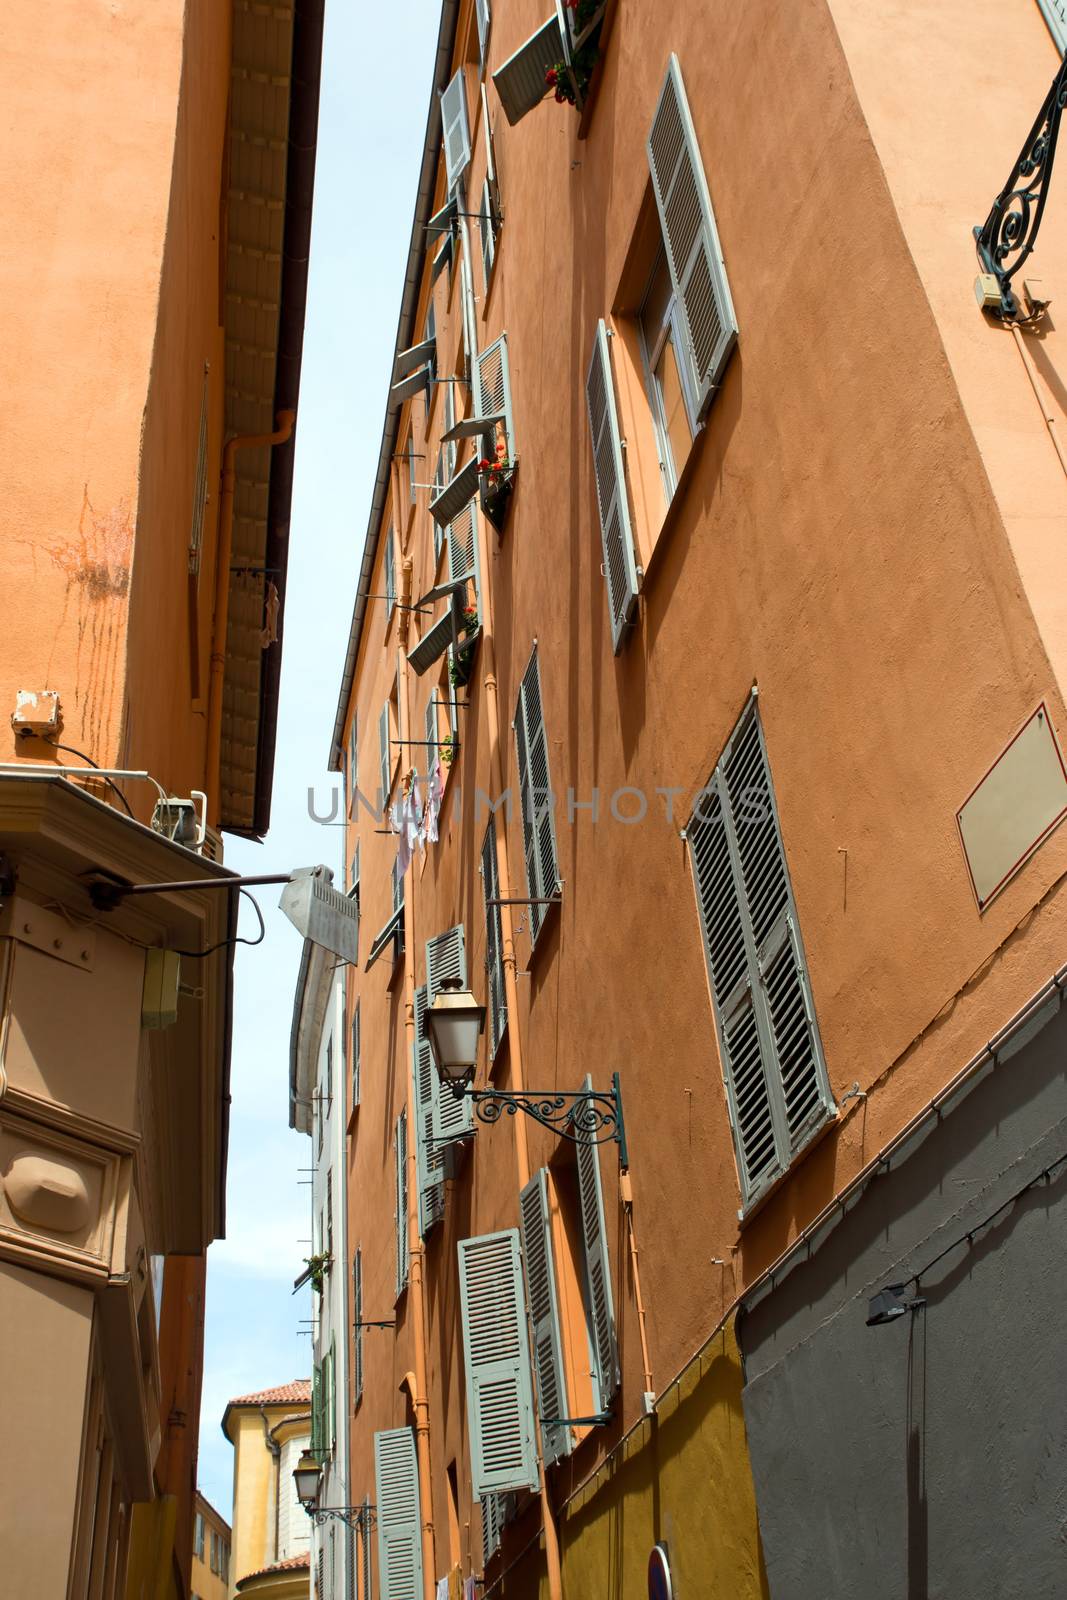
209, 1578
269, 1431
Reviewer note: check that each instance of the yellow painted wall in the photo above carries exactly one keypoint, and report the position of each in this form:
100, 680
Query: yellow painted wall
253, 1494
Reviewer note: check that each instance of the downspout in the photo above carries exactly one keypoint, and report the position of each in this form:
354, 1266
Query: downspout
247, 441
414, 1382
511, 993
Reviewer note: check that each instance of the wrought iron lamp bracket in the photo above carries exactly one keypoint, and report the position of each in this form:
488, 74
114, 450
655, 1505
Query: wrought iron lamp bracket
351, 1516
1010, 231
584, 1116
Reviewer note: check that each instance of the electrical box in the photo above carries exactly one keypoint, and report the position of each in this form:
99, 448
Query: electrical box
159, 998
36, 712
987, 291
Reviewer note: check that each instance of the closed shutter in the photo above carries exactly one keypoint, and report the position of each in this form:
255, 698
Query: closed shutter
776, 1084
690, 238
543, 1298
320, 1559
330, 1365
538, 825
384, 763
355, 1057
492, 388
601, 1305
446, 957
430, 1159
481, 11
496, 1357
620, 565
390, 574
494, 941
457, 139
316, 1411
400, 1146
396, 1477
520, 82
357, 1318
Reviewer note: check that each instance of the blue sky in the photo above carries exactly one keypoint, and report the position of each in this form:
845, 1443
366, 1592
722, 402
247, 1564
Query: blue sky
371, 124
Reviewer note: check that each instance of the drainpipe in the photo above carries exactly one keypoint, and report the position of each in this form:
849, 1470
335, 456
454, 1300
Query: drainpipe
414, 1382
247, 441
511, 992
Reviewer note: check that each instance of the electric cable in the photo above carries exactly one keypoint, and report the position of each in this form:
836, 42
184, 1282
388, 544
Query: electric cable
210, 951
69, 750
968, 1237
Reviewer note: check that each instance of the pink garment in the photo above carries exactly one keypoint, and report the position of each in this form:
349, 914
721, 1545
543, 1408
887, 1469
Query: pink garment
433, 802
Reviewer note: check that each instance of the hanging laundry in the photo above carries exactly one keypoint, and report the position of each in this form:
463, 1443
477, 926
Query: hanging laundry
405, 819
433, 802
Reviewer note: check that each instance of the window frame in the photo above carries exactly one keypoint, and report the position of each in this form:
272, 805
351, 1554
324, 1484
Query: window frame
671, 324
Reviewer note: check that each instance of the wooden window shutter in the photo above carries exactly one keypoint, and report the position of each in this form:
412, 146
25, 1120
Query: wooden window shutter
316, 1410
449, 423
396, 1479
331, 1398
496, 1356
1055, 14
481, 11
487, 233
432, 646
776, 1085
446, 957
690, 237
492, 388
520, 82
390, 573
384, 763
355, 1056
357, 1318
537, 800
430, 1158
494, 941
320, 1559
400, 1144
620, 566
601, 1305
456, 134
537, 1255
353, 764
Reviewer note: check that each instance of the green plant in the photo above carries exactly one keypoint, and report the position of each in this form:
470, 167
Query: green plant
564, 80
448, 749
318, 1266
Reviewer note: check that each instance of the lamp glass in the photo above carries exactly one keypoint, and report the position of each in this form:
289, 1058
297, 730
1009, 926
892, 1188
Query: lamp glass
454, 1023
306, 1478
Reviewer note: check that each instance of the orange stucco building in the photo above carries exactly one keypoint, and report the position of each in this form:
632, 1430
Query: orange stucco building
761, 627
156, 182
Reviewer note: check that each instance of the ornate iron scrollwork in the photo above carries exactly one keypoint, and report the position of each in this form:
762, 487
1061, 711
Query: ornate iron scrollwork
351, 1516
1011, 228
586, 1116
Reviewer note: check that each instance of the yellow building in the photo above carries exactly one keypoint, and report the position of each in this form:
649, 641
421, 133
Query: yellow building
210, 1573
269, 1431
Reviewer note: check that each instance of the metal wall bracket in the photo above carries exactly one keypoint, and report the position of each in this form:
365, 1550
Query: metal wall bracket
584, 1116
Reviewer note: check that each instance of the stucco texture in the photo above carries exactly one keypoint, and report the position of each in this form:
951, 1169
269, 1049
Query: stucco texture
927, 1457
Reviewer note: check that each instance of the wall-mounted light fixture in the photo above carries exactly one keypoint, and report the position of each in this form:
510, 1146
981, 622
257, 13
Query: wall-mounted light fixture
889, 1304
307, 1477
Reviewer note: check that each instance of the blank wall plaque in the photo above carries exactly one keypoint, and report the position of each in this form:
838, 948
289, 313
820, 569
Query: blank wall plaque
1017, 804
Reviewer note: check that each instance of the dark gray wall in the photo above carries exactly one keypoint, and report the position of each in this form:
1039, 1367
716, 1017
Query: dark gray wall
927, 1458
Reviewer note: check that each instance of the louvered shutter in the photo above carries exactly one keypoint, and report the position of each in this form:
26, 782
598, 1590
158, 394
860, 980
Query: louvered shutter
776, 1084
449, 423
353, 762
481, 11
463, 559
384, 764
446, 957
317, 1448
456, 135
496, 1355
400, 1146
430, 1158
396, 1478
620, 566
690, 238
331, 1397
432, 734
432, 646
357, 1332
491, 1523
390, 574
367, 1573
355, 1057
494, 941
520, 82
1055, 14
457, 493
601, 1304
492, 388
538, 826
320, 1581
470, 310
543, 1299
487, 233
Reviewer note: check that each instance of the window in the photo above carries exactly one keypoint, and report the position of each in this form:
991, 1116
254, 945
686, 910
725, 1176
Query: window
329, 1075
198, 1537
487, 231
409, 452
389, 573
430, 331
430, 1156
446, 957
492, 397
200, 483
481, 10
329, 1213
1055, 14
776, 1085
225, 1568
355, 1055
494, 940
388, 745
353, 877
396, 1481
400, 1151
535, 794
667, 374
357, 1332
496, 1359
353, 765
455, 131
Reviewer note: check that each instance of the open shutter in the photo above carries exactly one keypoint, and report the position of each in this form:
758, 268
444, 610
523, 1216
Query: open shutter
620, 565
544, 1316
432, 646
463, 549
492, 388
355, 1057
430, 1158
410, 386
389, 570
446, 957
496, 1357
384, 763
316, 1410
357, 1332
520, 82
601, 1306
490, 1504
538, 826
481, 11
400, 1146
331, 1398
456, 134
494, 941
396, 1480
487, 233
690, 237
456, 494
1055, 14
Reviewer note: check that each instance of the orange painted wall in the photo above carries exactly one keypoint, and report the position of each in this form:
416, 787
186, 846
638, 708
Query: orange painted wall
840, 541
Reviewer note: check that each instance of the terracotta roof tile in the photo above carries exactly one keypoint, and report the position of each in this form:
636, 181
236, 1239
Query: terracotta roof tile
298, 1390
293, 1564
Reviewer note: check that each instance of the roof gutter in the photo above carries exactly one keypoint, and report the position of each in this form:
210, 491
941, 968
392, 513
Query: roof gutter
404, 338
305, 80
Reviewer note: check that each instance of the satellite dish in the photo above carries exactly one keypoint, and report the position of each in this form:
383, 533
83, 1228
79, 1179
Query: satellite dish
322, 913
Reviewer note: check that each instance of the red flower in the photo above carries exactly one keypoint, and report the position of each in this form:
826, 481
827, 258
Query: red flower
484, 464
551, 76
560, 96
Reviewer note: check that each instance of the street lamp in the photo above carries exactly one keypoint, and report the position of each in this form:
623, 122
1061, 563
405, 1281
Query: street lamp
306, 1476
455, 1022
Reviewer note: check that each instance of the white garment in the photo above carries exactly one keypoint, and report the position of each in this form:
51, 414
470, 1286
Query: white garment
433, 803
406, 822
442, 1589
